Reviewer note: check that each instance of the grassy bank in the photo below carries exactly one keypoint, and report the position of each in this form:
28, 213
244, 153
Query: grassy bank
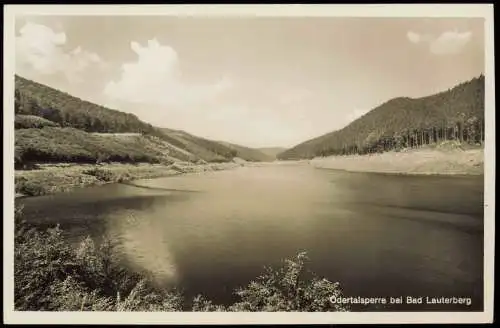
445, 159
52, 275
48, 179
69, 145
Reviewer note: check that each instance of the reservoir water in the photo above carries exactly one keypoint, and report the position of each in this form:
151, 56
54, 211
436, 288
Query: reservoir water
378, 235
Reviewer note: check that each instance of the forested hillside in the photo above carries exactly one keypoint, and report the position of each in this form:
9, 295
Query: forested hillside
71, 119
32, 98
455, 114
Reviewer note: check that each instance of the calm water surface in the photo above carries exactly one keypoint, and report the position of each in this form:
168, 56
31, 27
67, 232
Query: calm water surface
378, 235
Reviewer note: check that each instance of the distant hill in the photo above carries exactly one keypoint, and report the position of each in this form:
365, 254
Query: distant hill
216, 150
38, 106
249, 154
455, 114
272, 151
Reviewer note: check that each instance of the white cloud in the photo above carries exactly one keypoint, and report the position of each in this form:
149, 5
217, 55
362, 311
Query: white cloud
451, 42
154, 78
413, 37
40, 50
448, 43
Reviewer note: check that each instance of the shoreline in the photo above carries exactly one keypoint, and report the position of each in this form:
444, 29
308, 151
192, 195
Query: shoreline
423, 161
415, 174
405, 173
65, 177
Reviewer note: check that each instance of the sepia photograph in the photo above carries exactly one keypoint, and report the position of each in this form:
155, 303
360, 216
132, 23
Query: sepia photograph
248, 164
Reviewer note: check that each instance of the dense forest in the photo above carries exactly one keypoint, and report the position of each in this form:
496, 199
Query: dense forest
67, 120
455, 114
32, 98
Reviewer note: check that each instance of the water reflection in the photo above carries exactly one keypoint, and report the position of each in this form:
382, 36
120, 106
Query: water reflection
379, 235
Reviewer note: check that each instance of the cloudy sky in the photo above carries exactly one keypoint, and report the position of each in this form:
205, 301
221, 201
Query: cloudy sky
255, 81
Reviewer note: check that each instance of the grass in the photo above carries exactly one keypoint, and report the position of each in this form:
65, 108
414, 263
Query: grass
32, 121
55, 145
52, 275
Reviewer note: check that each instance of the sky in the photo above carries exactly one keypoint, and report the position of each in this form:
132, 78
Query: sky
258, 82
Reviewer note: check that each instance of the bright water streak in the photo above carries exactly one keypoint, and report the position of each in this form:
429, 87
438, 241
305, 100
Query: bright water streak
378, 235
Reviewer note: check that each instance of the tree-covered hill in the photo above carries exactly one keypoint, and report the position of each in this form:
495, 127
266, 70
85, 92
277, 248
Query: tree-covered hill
455, 114
32, 98
39, 106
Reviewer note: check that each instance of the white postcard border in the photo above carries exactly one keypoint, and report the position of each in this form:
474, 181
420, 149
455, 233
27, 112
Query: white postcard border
372, 10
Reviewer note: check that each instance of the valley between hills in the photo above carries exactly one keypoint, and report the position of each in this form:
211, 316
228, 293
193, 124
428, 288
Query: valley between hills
63, 142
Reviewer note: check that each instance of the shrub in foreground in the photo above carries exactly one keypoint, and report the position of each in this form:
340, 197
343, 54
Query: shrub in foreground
52, 275
288, 288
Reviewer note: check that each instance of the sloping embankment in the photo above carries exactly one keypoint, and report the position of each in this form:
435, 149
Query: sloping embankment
417, 161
